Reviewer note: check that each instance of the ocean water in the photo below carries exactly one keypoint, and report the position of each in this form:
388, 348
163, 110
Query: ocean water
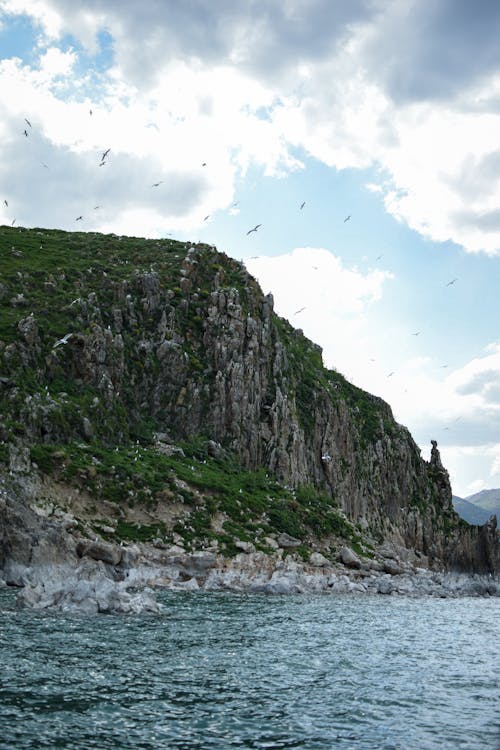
234, 671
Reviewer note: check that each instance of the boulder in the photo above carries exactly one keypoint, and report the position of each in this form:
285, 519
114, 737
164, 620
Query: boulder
108, 553
349, 558
318, 560
288, 542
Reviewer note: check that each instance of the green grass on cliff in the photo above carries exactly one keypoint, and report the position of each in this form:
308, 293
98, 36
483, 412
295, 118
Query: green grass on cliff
253, 504
76, 283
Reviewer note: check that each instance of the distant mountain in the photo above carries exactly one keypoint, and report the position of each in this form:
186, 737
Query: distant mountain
487, 499
471, 513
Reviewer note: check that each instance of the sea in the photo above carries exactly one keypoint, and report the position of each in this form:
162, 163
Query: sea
220, 670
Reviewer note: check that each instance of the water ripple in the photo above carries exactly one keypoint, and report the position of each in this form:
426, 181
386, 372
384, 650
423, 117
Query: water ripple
227, 671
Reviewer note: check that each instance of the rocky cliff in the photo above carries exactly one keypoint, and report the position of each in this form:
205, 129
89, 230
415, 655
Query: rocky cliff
113, 345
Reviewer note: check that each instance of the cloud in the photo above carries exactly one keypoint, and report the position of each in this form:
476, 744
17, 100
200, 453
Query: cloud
432, 51
410, 88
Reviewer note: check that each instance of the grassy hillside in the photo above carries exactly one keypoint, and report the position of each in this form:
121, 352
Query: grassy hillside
70, 285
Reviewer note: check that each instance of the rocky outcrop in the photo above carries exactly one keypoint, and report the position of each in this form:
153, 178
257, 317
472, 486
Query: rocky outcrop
185, 344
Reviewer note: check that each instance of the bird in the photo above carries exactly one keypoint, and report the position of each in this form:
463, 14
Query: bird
254, 229
302, 205
156, 184
379, 257
299, 311
29, 123
391, 374
204, 164
417, 333
12, 222
105, 153
96, 207
451, 282
6, 203
102, 163
25, 132
62, 341
206, 217
90, 112
44, 165
347, 218
79, 218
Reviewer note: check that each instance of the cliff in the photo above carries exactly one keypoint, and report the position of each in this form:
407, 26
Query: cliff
152, 382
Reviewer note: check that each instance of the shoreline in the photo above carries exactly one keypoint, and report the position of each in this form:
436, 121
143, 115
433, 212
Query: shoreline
92, 586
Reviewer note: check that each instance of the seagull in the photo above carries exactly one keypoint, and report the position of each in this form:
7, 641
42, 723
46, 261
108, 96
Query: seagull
379, 257
302, 205
299, 311
90, 112
204, 164
62, 341
347, 218
206, 217
96, 207
44, 165
416, 334
155, 184
29, 123
105, 153
25, 132
79, 218
451, 282
12, 222
391, 374
6, 203
254, 229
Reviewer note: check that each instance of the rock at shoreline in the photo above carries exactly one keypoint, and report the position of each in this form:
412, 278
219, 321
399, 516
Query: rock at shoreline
349, 558
85, 596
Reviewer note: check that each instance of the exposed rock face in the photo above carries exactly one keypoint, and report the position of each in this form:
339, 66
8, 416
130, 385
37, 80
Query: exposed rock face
202, 352
26, 539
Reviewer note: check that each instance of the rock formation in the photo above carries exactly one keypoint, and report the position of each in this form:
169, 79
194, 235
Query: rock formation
141, 338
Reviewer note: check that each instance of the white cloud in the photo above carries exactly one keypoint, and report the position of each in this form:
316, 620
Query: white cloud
354, 84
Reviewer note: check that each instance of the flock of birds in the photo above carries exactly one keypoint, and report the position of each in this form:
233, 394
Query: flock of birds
104, 160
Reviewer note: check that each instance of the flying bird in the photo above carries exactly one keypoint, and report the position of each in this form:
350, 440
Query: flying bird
299, 311
156, 184
79, 218
204, 164
206, 217
96, 207
25, 132
12, 222
62, 341
417, 333
29, 123
44, 165
379, 257
90, 112
451, 282
391, 374
6, 203
302, 205
105, 153
254, 229
347, 218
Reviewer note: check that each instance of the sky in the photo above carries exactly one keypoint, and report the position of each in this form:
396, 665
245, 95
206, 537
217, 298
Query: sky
363, 136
